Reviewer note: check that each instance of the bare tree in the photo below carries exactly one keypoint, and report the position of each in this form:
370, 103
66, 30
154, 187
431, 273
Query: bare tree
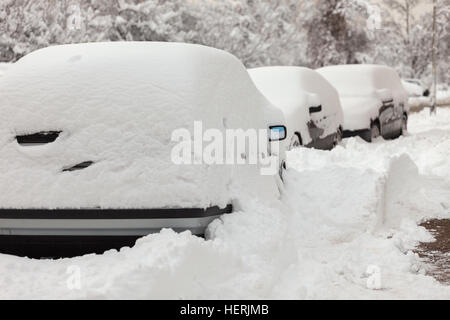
404, 8
434, 60
440, 46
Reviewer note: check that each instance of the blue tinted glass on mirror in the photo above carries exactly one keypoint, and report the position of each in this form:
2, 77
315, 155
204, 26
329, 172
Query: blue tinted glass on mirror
277, 133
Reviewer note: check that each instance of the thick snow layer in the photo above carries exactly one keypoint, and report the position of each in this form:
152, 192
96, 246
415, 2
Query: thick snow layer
117, 105
361, 80
344, 214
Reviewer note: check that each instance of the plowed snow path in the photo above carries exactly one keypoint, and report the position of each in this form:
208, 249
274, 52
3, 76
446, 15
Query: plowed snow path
345, 228
437, 253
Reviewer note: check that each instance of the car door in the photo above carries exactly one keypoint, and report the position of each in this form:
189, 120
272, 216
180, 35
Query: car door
328, 118
390, 117
317, 124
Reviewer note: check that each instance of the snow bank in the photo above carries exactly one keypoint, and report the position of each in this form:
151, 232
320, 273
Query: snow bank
117, 104
410, 196
418, 103
443, 97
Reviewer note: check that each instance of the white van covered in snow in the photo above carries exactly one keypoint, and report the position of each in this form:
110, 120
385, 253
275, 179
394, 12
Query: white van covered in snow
85, 139
373, 100
310, 104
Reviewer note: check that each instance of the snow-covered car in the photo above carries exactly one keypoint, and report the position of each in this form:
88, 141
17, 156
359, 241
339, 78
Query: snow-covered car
418, 97
86, 141
415, 88
373, 100
309, 102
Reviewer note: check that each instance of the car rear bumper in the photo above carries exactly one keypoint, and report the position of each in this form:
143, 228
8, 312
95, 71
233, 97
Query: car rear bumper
105, 222
38, 233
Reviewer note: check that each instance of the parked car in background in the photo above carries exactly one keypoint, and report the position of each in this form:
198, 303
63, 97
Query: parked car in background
86, 143
418, 97
415, 88
373, 100
309, 102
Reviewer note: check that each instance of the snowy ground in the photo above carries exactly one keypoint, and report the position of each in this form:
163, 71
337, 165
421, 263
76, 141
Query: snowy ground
345, 213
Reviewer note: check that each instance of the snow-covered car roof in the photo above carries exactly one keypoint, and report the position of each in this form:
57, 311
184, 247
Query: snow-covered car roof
362, 79
281, 81
283, 84
117, 104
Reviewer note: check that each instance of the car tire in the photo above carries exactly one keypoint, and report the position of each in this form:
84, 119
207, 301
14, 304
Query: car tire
296, 142
404, 129
371, 134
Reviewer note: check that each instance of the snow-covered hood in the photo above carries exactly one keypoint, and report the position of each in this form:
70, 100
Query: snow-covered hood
117, 104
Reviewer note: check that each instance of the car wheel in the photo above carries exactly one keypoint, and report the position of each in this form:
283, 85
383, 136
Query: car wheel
374, 131
404, 125
295, 142
338, 138
281, 170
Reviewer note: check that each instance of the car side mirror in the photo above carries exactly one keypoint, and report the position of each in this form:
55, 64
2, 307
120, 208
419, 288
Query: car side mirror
316, 109
277, 133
